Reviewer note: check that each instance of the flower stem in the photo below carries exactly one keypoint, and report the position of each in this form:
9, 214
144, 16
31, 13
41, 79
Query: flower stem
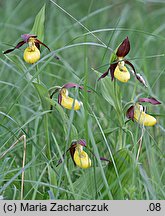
38, 77
118, 107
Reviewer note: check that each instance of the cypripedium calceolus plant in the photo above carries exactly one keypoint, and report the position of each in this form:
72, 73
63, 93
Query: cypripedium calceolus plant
79, 156
63, 96
32, 52
137, 112
118, 64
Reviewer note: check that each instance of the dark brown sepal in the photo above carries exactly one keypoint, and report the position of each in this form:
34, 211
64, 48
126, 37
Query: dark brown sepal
112, 70
72, 150
130, 113
124, 48
59, 98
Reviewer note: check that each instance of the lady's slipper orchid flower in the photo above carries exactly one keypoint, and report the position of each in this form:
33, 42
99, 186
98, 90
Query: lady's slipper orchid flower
32, 52
79, 156
118, 64
63, 97
137, 112
67, 102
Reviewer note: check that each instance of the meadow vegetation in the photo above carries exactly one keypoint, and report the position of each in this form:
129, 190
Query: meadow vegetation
35, 130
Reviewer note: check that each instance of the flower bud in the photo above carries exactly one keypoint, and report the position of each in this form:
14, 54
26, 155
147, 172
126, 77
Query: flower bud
31, 54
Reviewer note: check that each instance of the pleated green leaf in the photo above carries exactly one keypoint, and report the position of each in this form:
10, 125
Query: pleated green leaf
38, 26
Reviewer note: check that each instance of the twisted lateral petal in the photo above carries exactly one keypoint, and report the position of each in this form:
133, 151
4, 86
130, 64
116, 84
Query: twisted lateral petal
149, 100
16, 47
31, 54
142, 118
81, 158
122, 75
104, 74
39, 42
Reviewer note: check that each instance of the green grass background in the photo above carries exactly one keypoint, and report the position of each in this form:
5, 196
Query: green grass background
80, 32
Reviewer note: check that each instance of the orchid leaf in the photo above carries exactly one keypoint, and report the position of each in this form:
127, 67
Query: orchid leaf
113, 56
52, 179
38, 26
42, 92
64, 118
124, 161
108, 91
85, 183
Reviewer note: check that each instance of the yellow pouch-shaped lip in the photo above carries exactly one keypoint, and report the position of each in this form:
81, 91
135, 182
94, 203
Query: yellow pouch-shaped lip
67, 102
81, 159
31, 54
122, 75
142, 118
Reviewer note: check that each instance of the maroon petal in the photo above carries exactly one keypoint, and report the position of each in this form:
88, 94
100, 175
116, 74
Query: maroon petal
82, 142
101, 158
51, 96
63, 157
72, 150
131, 65
16, 47
104, 159
138, 76
37, 45
59, 98
141, 79
73, 85
112, 70
130, 113
124, 48
149, 100
39, 42
26, 37
104, 74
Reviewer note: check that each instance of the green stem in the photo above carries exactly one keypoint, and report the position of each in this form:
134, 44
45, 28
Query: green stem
47, 140
38, 77
85, 91
118, 108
